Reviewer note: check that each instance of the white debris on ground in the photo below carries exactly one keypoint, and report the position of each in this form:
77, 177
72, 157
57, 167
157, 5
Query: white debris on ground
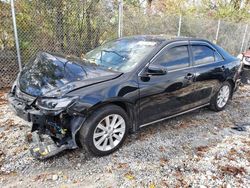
198, 149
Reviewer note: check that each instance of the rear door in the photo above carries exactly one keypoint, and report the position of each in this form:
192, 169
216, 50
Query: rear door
165, 95
210, 70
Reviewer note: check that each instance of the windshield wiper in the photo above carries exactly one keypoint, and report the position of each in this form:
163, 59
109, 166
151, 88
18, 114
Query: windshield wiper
115, 52
93, 62
75, 62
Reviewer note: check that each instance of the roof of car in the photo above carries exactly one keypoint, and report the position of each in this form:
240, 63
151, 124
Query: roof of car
162, 38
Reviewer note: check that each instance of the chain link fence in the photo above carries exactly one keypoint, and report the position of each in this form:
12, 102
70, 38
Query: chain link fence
234, 37
74, 27
8, 56
70, 27
139, 23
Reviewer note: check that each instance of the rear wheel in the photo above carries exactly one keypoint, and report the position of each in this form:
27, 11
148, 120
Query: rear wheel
221, 98
105, 130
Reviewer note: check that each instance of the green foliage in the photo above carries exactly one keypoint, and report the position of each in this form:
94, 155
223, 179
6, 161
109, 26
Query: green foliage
71, 27
226, 11
77, 26
6, 32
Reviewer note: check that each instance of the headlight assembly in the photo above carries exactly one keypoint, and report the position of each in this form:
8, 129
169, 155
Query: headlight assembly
55, 103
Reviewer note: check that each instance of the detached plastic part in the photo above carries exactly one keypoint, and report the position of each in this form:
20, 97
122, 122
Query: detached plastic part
241, 126
43, 147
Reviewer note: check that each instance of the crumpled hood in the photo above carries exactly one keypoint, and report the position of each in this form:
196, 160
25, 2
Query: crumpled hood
54, 75
79, 84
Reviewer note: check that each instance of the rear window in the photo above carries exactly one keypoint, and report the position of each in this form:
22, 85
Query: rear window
218, 57
203, 54
223, 52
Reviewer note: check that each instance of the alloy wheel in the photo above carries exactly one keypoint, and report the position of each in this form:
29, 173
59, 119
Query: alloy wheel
109, 132
223, 96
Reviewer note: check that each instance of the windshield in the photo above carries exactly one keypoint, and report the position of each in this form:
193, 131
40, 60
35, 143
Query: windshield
121, 55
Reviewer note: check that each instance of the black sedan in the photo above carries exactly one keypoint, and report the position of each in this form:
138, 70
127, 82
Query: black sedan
117, 88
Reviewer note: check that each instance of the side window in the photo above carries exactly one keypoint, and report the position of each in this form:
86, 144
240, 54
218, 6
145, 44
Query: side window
175, 58
203, 54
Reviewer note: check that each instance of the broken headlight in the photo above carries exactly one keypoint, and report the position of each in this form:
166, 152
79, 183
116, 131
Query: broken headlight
54, 103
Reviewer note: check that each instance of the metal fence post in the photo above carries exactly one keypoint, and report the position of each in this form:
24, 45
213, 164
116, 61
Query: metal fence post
244, 37
179, 27
15, 33
217, 32
120, 18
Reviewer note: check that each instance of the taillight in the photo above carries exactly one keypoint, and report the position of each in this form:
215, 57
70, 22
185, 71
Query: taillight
247, 59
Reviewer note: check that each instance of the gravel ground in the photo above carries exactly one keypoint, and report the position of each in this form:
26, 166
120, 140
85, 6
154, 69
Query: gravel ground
198, 149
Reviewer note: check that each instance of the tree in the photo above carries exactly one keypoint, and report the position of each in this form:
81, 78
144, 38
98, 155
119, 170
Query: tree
6, 32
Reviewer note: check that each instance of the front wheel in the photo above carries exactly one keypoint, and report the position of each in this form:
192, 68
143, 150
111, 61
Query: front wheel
221, 98
105, 130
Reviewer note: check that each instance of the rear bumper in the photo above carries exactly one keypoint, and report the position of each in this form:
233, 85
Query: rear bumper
245, 77
237, 84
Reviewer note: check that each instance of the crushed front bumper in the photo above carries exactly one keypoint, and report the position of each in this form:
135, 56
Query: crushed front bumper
24, 111
43, 146
51, 132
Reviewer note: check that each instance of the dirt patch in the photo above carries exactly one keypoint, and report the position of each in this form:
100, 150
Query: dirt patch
2, 157
201, 150
232, 170
3, 100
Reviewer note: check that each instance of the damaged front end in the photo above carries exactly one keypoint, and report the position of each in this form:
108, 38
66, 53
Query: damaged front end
41, 95
54, 125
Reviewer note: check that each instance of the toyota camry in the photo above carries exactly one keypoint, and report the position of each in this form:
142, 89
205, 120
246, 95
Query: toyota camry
117, 88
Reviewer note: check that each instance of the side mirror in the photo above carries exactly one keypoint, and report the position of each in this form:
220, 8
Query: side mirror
156, 70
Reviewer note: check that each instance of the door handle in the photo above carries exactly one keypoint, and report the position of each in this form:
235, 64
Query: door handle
222, 68
189, 76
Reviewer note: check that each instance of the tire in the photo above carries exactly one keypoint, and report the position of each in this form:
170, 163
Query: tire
215, 104
106, 139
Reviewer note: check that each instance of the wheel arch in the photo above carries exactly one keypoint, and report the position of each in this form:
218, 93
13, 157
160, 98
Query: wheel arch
127, 106
232, 83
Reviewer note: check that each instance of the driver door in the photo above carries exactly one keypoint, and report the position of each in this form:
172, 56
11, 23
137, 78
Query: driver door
172, 92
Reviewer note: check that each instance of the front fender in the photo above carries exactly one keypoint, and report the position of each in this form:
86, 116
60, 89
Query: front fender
76, 123
84, 109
